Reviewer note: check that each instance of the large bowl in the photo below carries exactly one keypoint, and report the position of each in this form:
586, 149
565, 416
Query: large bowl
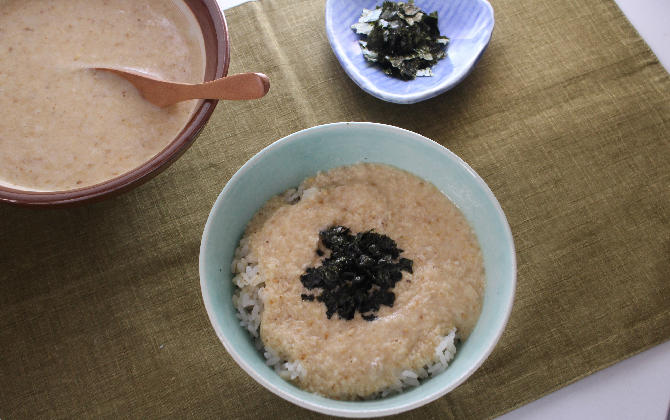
283, 165
217, 56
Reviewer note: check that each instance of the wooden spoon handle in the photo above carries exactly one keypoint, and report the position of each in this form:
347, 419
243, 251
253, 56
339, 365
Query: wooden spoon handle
241, 86
162, 93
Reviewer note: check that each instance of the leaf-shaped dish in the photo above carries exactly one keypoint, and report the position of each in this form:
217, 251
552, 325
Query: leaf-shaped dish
468, 24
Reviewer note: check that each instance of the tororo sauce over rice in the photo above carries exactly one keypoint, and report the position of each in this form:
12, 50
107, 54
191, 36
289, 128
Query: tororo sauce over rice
435, 301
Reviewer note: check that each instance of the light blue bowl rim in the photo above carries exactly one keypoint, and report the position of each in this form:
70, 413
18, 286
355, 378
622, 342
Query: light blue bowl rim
397, 98
353, 411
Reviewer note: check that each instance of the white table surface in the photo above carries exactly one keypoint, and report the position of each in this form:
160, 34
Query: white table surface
637, 388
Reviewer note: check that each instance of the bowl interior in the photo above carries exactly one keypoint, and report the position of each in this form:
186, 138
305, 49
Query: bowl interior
285, 164
468, 23
217, 57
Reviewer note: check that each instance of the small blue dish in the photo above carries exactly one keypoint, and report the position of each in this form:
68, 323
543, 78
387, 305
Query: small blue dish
468, 24
283, 165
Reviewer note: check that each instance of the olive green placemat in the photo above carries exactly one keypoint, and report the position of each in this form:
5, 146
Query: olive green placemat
566, 117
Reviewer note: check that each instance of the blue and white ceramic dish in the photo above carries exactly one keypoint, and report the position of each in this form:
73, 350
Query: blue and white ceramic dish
468, 23
283, 165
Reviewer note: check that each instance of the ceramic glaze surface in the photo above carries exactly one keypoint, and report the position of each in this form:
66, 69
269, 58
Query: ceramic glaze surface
468, 24
287, 162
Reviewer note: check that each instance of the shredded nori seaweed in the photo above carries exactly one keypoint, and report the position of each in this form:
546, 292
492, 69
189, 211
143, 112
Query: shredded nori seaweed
358, 274
402, 38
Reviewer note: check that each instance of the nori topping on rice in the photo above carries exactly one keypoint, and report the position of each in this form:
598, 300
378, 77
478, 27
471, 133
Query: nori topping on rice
358, 274
403, 39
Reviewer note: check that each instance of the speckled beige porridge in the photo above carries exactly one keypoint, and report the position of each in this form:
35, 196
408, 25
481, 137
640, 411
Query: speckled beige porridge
356, 359
63, 126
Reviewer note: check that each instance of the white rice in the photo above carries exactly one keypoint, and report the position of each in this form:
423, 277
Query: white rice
248, 301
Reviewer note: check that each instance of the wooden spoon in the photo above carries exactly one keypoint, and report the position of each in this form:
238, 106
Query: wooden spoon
161, 93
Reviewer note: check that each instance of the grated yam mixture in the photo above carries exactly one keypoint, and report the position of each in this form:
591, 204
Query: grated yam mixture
357, 359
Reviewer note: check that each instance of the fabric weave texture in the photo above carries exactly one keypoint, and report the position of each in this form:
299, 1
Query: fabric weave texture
566, 117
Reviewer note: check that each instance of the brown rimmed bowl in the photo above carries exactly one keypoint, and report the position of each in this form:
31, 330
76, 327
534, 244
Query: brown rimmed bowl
217, 57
